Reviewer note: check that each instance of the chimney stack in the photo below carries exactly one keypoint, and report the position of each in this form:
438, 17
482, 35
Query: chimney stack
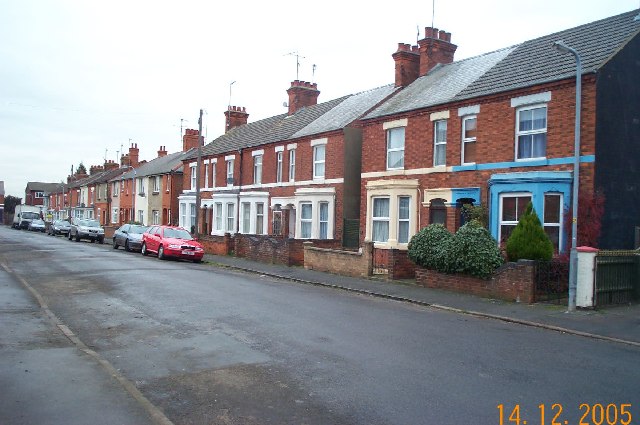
407, 59
110, 165
134, 155
190, 139
435, 48
235, 117
94, 169
162, 151
302, 94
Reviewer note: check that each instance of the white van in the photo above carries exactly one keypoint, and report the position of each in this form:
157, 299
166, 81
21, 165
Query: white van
23, 216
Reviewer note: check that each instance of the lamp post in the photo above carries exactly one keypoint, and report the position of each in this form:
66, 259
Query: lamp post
573, 258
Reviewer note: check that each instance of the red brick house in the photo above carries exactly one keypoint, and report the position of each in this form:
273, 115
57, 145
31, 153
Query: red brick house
498, 130
294, 175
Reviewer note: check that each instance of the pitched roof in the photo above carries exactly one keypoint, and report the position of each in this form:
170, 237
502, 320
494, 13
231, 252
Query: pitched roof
157, 166
41, 187
524, 65
321, 118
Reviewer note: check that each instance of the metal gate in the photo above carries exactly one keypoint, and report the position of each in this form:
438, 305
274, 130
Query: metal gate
617, 277
552, 281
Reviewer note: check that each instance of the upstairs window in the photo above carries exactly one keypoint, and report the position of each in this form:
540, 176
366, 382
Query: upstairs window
469, 127
230, 171
292, 165
193, 177
318, 161
531, 133
156, 186
278, 167
257, 169
395, 148
440, 143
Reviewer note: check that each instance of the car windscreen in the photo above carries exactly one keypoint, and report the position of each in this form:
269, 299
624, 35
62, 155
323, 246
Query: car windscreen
138, 229
91, 223
30, 215
177, 234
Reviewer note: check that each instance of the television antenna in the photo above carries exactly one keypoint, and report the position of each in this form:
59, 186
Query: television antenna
298, 57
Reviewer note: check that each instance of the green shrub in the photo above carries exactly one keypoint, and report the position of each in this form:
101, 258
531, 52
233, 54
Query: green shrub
528, 239
473, 251
428, 247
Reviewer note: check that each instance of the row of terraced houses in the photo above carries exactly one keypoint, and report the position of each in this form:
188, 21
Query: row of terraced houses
495, 130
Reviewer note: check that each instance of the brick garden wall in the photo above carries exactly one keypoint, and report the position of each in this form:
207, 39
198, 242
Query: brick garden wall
511, 282
346, 263
218, 245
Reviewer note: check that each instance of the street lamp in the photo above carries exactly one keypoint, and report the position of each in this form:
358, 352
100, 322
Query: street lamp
573, 258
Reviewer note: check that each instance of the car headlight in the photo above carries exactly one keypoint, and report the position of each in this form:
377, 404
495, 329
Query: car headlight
199, 249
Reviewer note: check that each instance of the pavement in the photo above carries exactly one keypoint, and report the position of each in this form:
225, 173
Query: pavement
619, 324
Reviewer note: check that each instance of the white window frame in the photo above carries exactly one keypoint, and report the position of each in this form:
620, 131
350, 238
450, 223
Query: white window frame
192, 170
531, 132
141, 217
156, 184
206, 174
466, 140
306, 221
389, 133
168, 183
292, 165
230, 224
319, 168
183, 215
155, 214
217, 217
114, 215
257, 169
501, 198
279, 162
381, 219
192, 215
229, 171
245, 213
561, 216
439, 144
321, 221
404, 220
259, 219
213, 174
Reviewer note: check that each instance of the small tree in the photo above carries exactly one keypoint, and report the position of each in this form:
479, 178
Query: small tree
473, 251
529, 240
476, 212
428, 247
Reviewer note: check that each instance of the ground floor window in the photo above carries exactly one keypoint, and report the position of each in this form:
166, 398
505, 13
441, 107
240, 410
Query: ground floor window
324, 220
231, 208
217, 212
246, 217
183, 215
553, 218
404, 203
155, 216
512, 206
114, 215
276, 225
306, 220
380, 219
438, 212
259, 218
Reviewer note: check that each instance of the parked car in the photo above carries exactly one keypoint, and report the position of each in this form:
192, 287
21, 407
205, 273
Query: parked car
170, 241
129, 236
36, 225
86, 229
59, 227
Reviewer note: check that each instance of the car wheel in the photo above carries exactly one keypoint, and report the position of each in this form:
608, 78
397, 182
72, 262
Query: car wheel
115, 243
161, 253
77, 237
144, 249
126, 246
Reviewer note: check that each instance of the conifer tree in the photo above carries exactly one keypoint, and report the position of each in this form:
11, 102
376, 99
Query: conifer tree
529, 240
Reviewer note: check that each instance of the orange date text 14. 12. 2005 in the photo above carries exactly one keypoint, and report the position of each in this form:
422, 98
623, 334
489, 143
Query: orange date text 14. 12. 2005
554, 414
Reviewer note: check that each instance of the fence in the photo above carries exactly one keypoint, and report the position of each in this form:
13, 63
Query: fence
552, 281
617, 277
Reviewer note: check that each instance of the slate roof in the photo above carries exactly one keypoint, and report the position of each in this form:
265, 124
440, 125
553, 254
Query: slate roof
39, 186
524, 65
157, 166
323, 117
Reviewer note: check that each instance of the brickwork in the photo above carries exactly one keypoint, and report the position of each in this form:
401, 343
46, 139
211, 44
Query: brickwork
511, 282
400, 267
495, 143
218, 245
346, 263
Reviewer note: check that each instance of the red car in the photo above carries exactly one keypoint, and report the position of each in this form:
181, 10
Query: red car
170, 241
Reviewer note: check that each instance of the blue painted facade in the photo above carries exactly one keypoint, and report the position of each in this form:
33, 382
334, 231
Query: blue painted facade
537, 183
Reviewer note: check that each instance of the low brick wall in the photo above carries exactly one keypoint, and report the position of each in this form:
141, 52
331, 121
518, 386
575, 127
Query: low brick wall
511, 282
400, 267
342, 262
218, 245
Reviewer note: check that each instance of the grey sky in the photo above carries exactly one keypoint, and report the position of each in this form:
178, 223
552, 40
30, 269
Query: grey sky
79, 77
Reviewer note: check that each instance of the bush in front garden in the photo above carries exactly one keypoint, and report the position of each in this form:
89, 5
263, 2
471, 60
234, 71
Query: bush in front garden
473, 251
428, 247
528, 240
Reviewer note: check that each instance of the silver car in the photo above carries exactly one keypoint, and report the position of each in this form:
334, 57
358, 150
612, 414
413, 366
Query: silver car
36, 225
59, 227
86, 229
129, 236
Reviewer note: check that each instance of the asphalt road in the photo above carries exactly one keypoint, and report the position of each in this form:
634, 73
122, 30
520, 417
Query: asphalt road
203, 345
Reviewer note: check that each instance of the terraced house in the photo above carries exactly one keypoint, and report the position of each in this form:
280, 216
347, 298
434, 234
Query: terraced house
294, 175
498, 130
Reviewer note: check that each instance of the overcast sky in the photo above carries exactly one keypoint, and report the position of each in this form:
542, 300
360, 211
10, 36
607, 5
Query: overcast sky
79, 79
